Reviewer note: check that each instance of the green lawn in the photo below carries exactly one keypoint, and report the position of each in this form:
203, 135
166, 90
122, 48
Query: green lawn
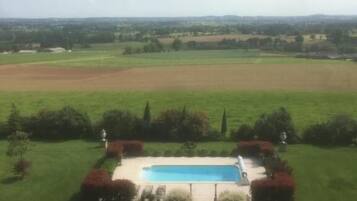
57, 171
327, 174
109, 56
242, 107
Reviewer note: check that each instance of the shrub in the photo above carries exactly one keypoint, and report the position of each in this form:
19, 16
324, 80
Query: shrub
275, 165
120, 124
178, 195
245, 132
121, 190
280, 188
132, 148
114, 150
22, 167
66, 123
270, 126
94, 186
175, 125
255, 148
232, 196
340, 130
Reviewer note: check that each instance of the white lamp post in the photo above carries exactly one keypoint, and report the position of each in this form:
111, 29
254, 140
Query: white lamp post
104, 139
283, 145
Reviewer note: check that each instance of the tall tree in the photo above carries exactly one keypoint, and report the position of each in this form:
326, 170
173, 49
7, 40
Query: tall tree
224, 123
147, 113
18, 146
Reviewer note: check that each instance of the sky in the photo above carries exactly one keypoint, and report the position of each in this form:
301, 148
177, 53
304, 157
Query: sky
172, 8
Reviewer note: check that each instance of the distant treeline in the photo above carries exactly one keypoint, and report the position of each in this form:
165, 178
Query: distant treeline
18, 34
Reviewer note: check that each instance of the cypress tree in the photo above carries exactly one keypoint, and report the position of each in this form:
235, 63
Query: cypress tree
14, 120
147, 113
224, 123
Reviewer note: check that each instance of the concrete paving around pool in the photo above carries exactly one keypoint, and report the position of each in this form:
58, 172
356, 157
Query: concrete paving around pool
131, 169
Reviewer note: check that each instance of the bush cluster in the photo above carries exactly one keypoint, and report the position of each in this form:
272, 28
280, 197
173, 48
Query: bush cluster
281, 187
232, 196
178, 195
268, 128
95, 184
114, 150
340, 130
65, 123
255, 148
98, 185
176, 125
274, 165
121, 190
131, 148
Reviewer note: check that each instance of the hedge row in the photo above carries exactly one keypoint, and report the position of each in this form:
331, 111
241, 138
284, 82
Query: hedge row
98, 185
129, 148
255, 148
281, 187
279, 184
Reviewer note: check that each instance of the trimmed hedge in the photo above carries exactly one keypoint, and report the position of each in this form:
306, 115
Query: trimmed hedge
279, 188
129, 148
121, 190
114, 150
255, 148
276, 165
95, 185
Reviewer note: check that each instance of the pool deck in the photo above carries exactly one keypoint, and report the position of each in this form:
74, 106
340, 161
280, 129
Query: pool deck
131, 169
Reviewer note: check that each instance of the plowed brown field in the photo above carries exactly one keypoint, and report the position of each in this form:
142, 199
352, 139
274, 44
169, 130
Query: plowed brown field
313, 77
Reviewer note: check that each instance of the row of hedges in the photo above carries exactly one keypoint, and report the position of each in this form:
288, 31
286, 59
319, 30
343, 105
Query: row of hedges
129, 148
255, 148
279, 184
268, 127
339, 130
98, 185
279, 188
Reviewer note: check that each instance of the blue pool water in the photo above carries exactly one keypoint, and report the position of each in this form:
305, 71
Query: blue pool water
191, 173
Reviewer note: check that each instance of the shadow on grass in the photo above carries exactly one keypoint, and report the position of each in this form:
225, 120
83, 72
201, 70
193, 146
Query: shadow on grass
75, 197
10, 180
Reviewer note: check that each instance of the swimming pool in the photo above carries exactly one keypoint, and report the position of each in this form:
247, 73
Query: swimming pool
191, 173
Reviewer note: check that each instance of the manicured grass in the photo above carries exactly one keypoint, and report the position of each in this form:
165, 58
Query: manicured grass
209, 146
306, 108
327, 174
57, 171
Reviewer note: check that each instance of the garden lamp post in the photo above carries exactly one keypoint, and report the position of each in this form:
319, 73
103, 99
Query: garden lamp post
104, 139
283, 145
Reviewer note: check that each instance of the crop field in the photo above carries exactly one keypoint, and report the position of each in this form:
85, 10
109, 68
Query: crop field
246, 83
306, 108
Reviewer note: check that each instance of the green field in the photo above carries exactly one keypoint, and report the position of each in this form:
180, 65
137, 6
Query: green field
110, 57
58, 169
306, 108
